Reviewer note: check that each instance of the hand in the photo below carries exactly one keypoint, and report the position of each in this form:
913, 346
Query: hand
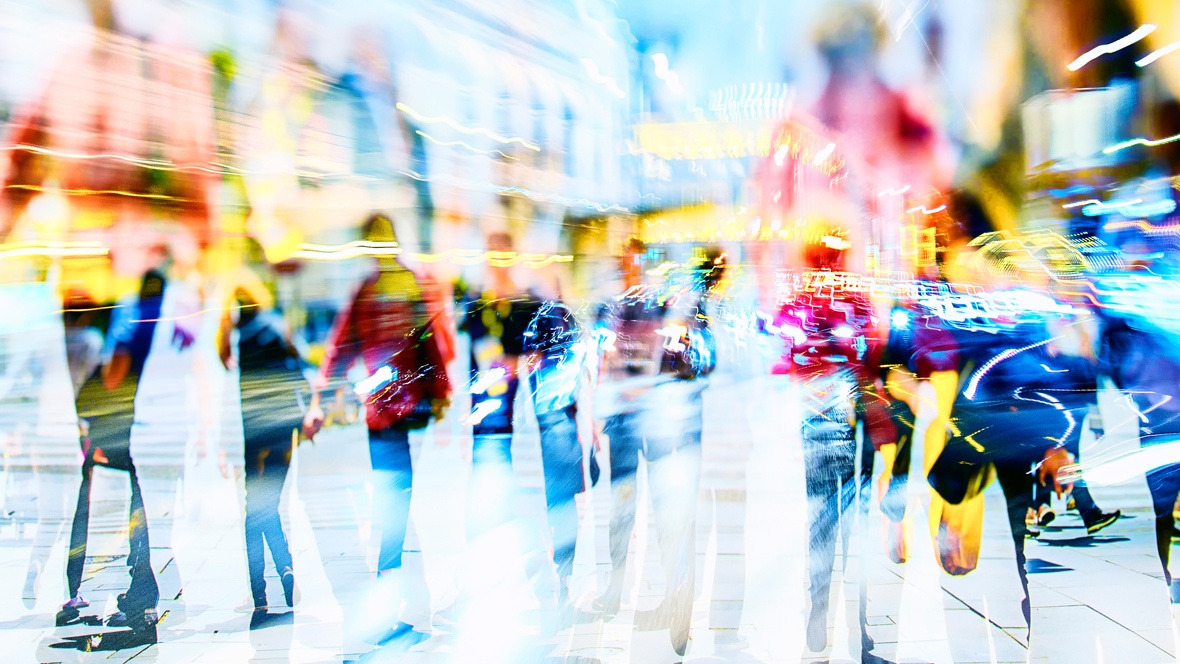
223, 463
1056, 458
182, 338
313, 421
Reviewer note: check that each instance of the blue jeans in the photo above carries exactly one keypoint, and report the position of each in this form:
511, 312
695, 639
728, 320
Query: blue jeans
561, 457
393, 480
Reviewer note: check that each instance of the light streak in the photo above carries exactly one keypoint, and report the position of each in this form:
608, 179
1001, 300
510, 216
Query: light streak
893, 192
1151, 143
1113, 47
1135, 208
458, 256
973, 384
369, 385
823, 154
20, 249
464, 129
912, 210
462, 144
481, 411
1088, 201
97, 192
487, 379
674, 333
1157, 54
347, 250
598, 77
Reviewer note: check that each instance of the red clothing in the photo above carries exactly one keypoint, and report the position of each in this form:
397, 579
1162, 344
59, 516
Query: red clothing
389, 324
825, 331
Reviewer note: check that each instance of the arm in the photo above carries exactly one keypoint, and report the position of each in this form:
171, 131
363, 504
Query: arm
340, 351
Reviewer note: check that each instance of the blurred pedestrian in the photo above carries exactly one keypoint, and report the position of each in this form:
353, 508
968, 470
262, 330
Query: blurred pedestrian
656, 352
389, 328
270, 374
106, 412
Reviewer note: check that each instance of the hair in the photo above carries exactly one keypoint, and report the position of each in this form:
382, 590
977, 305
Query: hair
153, 284
501, 237
376, 225
841, 21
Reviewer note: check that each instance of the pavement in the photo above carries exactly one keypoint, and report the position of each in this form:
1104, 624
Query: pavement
1095, 599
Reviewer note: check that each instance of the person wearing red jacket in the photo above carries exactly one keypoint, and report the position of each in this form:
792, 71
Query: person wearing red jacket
829, 341
390, 329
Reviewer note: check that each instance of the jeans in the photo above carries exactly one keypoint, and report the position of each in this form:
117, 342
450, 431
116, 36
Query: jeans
266, 471
561, 457
143, 593
836, 497
674, 473
393, 483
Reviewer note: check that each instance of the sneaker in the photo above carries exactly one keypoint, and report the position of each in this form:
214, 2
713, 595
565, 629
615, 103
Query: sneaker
1102, 521
1045, 516
290, 590
252, 604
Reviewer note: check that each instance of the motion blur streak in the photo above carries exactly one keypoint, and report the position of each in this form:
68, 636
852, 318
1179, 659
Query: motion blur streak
592, 331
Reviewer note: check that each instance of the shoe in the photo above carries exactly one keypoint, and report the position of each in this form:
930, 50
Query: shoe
290, 590
681, 620
142, 624
1103, 521
32, 584
252, 604
817, 629
1071, 504
1045, 516
71, 611
610, 602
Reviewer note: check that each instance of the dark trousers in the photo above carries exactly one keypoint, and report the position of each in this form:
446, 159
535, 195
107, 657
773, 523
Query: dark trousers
393, 483
266, 471
674, 474
1163, 482
561, 457
1017, 483
143, 593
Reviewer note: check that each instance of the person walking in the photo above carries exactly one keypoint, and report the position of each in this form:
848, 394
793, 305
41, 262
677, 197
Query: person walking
389, 328
270, 375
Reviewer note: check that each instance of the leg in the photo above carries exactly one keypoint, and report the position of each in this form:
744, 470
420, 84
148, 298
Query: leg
255, 498
144, 594
675, 487
79, 532
393, 480
828, 447
274, 475
561, 458
489, 496
1164, 484
1017, 484
625, 442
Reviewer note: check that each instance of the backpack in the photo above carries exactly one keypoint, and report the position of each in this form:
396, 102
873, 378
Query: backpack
411, 373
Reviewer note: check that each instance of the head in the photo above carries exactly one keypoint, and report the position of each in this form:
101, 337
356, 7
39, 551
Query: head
712, 268
631, 263
500, 241
849, 38
152, 285
379, 228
